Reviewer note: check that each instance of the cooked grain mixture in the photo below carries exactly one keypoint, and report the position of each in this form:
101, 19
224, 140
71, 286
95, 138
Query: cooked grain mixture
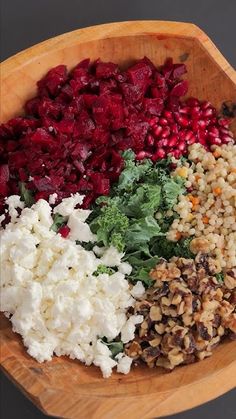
208, 211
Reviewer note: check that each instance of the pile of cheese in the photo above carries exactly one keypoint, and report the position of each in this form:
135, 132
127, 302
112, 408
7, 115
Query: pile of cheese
49, 290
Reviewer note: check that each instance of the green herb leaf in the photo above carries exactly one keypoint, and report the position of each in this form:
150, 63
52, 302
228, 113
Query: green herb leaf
58, 221
172, 188
220, 277
144, 202
132, 172
167, 249
26, 195
110, 226
128, 155
115, 347
142, 231
141, 270
102, 269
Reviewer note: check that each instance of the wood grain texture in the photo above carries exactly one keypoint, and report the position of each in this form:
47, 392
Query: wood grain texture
65, 388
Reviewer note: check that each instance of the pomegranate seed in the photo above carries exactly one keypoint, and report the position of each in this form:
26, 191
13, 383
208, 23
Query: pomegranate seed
181, 146
226, 139
225, 131
174, 128
190, 189
202, 124
150, 140
207, 112
205, 104
141, 155
168, 115
214, 131
173, 166
165, 132
196, 112
188, 135
163, 121
157, 131
64, 231
182, 135
214, 140
224, 122
160, 154
184, 122
172, 141
202, 141
192, 101
162, 143
192, 140
153, 121
185, 110
212, 121
176, 154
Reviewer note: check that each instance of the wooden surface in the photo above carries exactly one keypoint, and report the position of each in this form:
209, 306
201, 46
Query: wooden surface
65, 388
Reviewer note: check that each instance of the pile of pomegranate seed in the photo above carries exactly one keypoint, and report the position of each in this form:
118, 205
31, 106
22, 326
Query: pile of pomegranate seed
74, 131
176, 129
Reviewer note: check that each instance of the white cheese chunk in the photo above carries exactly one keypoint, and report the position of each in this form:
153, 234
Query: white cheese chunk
47, 285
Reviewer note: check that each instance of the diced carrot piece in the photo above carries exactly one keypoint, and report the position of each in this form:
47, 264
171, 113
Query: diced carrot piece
217, 191
216, 153
205, 219
178, 235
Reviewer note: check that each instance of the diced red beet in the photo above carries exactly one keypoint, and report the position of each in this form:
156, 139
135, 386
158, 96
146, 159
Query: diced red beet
140, 73
132, 93
106, 70
4, 173
17, 160
4, 178
42, 195
84, 126
41, 137
180, 89
108, 85
53, 81
47, 184
101, 185
50, 108
178, 70
64, 231
153, 106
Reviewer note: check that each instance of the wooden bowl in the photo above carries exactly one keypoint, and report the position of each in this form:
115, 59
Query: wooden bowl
67, 388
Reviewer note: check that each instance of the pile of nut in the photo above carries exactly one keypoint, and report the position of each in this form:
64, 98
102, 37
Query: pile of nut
186, 312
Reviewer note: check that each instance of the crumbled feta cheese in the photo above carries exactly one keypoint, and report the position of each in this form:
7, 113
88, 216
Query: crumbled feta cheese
99, 251
48, 286
124, 364
125, 268
127, 331
138, 290
13, 203
111, 257
79, 230
67, 206
52, 198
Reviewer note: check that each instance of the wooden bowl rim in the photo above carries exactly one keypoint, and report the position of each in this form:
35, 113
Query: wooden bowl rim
111, 30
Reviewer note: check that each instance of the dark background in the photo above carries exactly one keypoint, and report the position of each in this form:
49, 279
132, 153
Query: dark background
26, 22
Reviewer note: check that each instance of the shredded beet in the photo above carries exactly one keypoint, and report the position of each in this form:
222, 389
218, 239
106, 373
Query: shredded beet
72, 135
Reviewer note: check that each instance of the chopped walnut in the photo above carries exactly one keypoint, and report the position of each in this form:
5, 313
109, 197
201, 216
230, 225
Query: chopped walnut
187, 312
199, 245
